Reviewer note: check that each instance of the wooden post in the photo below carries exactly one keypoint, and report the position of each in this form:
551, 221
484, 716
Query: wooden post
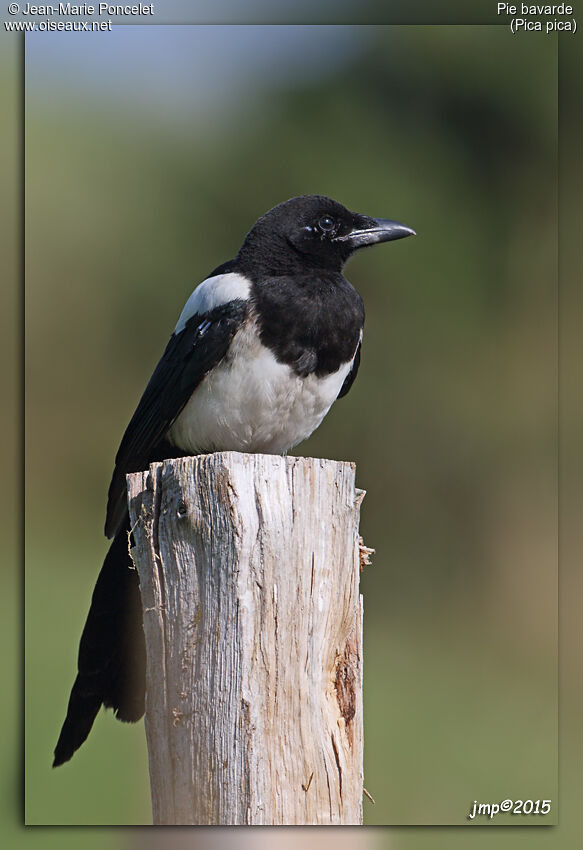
249, 570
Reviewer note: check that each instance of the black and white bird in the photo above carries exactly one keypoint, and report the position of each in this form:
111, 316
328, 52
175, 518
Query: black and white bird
261, 350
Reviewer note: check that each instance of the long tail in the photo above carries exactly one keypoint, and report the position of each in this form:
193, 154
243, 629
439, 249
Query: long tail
112, 654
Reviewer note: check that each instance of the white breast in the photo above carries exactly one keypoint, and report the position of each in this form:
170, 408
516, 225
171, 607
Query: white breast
252, 403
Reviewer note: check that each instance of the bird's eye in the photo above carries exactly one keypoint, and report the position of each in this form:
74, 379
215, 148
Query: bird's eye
326, 223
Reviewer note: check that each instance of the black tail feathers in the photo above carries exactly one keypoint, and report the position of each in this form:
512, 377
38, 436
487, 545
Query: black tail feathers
112, 654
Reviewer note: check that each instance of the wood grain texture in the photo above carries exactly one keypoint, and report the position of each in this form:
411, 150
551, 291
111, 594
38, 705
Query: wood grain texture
249, 569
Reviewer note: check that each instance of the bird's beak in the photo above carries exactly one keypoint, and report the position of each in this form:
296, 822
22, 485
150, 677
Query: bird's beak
376, 230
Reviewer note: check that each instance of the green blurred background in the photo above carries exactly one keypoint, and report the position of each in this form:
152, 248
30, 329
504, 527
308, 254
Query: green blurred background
144, 169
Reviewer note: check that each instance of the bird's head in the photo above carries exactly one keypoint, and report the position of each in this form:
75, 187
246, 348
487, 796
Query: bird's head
316, 231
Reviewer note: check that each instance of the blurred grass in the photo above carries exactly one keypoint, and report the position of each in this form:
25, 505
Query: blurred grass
451, 422
54, 796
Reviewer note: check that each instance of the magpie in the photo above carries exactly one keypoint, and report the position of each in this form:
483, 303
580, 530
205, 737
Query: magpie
261, 350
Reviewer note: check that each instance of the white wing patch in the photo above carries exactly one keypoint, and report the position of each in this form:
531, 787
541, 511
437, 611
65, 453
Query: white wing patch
211, 293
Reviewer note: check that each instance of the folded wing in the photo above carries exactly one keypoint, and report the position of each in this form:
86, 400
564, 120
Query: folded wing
191, 353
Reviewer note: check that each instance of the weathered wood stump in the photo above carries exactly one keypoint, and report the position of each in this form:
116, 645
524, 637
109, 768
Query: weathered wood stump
249, 571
